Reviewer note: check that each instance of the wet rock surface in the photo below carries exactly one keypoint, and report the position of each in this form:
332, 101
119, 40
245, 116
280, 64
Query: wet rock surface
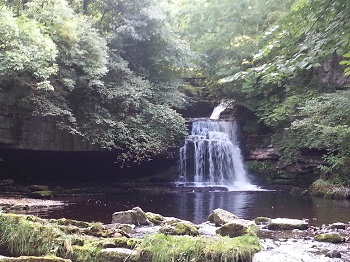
304, 245
294, 249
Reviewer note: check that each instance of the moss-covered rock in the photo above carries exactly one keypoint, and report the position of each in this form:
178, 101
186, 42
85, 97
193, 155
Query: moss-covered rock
332, 238
262, 220
34, 188
220, 217
41, 194
231, 230
154, 218
36, 237
33, 259
179, 229
326, 189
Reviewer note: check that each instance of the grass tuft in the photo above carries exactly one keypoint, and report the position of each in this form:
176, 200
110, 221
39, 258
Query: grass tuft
164, 248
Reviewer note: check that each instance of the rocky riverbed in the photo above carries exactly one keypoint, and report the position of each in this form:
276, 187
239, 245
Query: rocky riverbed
280, 239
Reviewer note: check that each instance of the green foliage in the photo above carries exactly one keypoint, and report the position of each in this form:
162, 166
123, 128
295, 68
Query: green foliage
340, 179
260, 165
184, 248
280, 82
26, 52
112, 67
346, 62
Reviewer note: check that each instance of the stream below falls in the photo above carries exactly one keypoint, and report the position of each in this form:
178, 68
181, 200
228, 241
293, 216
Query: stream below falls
196, 206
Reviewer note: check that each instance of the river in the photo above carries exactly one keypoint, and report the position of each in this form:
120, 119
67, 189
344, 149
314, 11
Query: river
196, 206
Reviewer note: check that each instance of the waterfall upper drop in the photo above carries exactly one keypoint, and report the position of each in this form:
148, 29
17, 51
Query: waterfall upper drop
220, 108
211, 156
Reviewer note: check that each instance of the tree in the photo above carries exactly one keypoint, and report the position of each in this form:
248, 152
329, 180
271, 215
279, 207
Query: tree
26, 52
281, 86
114, 80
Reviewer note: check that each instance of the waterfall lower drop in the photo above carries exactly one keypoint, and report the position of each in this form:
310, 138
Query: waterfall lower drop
211, 156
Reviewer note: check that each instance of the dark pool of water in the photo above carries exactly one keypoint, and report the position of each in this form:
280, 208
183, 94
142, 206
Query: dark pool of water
197, 206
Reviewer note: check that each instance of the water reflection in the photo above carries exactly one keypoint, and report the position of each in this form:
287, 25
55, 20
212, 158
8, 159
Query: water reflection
197, 206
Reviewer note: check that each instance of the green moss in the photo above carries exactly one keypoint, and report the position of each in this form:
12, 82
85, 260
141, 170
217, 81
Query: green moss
261, 166
332, 238
34, 259
262, 220
67, 222
185, 248
34, 188
41, 194
326, 189
98, 230
340, 179
179, 229
85, 253
154, 218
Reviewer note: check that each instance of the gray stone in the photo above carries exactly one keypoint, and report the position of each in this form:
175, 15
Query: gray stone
287, 224
338, 225
136, 216
232, 230
333, 254
220, 217
118, 253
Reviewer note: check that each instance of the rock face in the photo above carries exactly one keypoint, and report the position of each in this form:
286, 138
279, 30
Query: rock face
36, 133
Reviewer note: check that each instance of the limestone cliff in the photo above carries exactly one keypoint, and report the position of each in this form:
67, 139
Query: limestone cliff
23, 131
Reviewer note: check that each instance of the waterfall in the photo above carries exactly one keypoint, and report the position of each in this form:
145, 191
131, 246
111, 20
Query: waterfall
211, 156
220, 108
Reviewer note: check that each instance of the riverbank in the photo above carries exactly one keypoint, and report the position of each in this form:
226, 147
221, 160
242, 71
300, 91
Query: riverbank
135, 235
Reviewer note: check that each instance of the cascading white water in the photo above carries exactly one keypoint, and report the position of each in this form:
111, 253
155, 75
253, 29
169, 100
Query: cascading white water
220, 108
211, 156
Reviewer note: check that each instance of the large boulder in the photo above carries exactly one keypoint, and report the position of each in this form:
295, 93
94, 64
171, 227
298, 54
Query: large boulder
135, 216
220, 217
230, 225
